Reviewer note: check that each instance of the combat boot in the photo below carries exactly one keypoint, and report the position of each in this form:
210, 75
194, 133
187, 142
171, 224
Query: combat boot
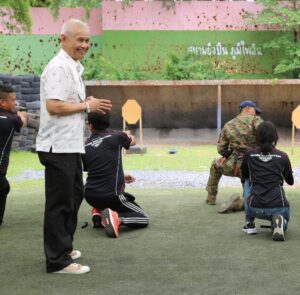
211, 199
233, 204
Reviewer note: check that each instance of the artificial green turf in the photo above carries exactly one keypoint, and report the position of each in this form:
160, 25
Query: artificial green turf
187, 249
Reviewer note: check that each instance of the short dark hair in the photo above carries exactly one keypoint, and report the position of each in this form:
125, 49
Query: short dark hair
99, 121
266, 136
5, 90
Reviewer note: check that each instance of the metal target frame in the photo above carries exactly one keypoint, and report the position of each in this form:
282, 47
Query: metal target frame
296, 124
132, 113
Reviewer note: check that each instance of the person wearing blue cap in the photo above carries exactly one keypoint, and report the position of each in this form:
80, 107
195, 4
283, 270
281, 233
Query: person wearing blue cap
237, 135
250, 103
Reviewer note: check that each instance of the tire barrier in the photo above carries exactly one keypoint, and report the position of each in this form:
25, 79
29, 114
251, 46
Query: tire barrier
27, 89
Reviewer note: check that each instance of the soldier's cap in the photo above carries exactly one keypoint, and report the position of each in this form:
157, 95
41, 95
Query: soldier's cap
250, 103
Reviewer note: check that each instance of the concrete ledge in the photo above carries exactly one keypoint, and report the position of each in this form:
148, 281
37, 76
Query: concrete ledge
192, 82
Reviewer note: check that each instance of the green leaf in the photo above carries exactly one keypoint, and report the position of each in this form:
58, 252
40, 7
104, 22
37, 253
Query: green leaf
283, 15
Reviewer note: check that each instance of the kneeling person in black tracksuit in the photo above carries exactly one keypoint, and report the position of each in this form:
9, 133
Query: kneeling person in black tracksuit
104, 188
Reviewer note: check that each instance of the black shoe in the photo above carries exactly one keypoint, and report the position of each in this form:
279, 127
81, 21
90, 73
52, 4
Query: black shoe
250, 228
278, 232
97, 221
96, 218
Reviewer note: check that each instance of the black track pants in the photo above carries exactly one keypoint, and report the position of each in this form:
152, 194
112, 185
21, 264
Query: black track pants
130, 213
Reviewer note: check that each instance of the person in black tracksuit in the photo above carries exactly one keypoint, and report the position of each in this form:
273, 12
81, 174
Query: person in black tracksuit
9, 123
105, 184
266, 168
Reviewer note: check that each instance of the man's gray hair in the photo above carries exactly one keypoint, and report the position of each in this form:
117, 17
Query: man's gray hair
69, 25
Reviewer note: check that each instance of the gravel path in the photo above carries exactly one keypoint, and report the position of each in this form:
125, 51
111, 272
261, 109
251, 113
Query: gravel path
163, 179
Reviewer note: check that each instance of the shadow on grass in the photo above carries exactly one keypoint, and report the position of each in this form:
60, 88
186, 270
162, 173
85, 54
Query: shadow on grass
188, 248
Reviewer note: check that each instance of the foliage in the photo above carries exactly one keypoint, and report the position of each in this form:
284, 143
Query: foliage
286, 17
21, 13
166, 4
99, 68
87, 4
290, 60
40, 3
132, 72
188, 67
20, 19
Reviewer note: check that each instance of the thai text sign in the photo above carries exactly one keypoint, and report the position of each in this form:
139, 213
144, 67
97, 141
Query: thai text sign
240, 49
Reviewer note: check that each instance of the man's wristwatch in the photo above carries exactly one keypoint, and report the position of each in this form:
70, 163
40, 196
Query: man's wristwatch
88, 109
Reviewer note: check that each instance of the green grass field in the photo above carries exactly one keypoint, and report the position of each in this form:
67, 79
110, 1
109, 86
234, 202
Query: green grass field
188, 247
190, 158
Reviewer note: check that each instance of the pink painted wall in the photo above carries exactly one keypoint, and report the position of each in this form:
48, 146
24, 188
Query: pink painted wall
44, 24
188, 15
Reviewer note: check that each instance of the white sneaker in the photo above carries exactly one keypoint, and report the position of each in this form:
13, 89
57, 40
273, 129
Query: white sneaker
250, 228
74, 269
75, 254
278, 232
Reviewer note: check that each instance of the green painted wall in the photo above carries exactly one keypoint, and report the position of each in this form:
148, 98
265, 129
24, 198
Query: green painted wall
148, 50
30, 53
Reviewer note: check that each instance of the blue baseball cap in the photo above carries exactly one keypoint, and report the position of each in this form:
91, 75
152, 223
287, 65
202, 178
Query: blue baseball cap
250, 103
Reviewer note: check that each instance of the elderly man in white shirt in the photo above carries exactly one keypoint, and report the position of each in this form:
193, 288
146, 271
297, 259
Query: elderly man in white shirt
60, 143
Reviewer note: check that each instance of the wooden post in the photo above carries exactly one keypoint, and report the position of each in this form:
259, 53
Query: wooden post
141, 133
124, 129
219, 110
296, 124
293, 138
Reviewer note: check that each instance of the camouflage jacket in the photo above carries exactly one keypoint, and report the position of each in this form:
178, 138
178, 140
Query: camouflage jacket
238, 135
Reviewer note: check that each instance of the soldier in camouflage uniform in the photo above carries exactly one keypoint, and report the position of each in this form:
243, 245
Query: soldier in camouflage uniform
236, 137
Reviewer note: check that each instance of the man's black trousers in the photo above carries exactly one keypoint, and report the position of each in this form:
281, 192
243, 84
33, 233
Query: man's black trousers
64, 194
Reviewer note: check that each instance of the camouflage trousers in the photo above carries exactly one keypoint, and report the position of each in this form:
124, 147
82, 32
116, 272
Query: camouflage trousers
221, 166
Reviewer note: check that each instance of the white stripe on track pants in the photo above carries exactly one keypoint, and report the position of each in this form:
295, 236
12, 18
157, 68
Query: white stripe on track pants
130, 213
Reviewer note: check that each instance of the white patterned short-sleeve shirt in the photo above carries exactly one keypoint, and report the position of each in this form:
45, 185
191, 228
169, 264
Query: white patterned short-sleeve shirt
61, 80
